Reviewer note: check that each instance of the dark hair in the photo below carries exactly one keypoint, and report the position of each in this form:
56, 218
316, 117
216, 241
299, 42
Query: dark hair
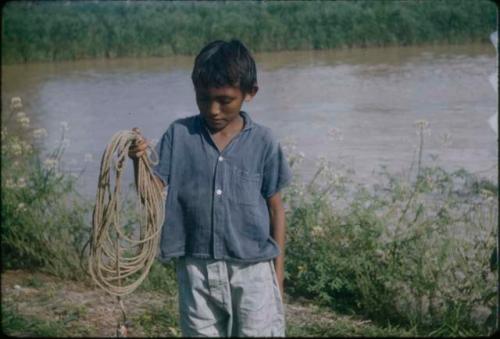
223, 63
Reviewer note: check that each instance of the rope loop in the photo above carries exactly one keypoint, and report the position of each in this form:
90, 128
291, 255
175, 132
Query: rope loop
119, 262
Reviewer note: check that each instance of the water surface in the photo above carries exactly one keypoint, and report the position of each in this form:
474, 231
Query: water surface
355, 107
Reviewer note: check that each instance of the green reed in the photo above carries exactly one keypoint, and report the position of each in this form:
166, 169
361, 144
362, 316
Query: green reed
69, 30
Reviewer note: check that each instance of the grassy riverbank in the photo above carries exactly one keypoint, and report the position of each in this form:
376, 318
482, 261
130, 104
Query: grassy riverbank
407, 256
68, 30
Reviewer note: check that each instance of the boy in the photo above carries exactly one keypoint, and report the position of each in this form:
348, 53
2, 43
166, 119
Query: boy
225, 219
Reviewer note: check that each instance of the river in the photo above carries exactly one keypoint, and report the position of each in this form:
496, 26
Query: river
355, 107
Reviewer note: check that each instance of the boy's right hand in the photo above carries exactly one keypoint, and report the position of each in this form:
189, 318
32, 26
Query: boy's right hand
138, 148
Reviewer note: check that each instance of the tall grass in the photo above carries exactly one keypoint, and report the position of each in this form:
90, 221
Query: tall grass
43, 217
49, 31
413, 250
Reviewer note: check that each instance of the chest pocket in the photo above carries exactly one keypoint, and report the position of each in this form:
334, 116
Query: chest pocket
245, 186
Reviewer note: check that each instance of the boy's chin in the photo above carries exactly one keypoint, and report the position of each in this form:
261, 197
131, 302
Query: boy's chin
215, 125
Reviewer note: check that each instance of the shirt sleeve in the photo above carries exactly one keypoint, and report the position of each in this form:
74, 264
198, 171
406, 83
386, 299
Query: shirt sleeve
277, 173
164, 151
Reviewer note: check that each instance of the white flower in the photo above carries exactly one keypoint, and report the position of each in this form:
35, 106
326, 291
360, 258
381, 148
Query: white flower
88, 157
21, 207
26, 146
20, 115
16, 148
24, 122
423, 127
9, 183
64, 125
422, 123
317, 231
16, 103
460, 275
50, 164
40, 133
21, 182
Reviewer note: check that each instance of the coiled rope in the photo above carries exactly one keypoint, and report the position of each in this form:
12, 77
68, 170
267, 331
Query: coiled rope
117, 262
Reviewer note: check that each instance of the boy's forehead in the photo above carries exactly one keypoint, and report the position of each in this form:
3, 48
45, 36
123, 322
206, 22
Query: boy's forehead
219, 91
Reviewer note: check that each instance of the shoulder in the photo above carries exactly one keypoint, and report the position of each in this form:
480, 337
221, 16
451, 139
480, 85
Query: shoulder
182, 126
186, 123
264, 134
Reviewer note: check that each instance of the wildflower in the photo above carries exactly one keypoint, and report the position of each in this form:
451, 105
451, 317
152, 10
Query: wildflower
302, 269
422, 127
421, 124
64, 126
21, 182
379, 253
317, 231
480, 314
88, 157
40, 133
21, 207
16, 103
50, 164
16, 148
26, 147
24, 121
459, 275
9, 183
20, 115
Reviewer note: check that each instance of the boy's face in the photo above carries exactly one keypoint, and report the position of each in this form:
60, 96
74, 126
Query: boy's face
221, 106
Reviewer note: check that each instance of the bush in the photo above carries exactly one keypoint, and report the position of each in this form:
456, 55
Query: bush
43, 217
408, 252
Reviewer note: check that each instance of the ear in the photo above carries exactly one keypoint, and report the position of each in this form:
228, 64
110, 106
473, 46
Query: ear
253, 92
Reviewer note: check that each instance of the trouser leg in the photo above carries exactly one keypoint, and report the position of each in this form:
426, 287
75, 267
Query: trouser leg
204, 298
257, 305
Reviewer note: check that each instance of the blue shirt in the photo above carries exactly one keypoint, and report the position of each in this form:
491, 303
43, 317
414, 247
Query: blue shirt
216, 203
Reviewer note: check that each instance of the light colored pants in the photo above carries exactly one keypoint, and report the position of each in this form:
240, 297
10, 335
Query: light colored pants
220, 298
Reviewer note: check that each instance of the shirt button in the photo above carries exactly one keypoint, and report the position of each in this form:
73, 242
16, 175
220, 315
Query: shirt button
218, 192
221, 158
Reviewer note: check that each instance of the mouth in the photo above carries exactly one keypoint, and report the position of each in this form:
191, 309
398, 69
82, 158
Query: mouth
214, 122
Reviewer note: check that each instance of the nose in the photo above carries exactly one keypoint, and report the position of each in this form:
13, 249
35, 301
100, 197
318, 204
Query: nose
213, 108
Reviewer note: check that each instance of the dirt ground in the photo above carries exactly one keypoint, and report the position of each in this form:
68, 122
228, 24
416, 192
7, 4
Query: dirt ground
87, 310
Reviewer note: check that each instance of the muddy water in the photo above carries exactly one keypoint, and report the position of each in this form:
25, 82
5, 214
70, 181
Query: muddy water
355, 107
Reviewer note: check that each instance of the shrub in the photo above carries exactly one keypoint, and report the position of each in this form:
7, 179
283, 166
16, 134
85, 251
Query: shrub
408, 252
44, 220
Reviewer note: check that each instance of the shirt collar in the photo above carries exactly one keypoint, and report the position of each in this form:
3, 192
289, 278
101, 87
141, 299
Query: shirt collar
248, 121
